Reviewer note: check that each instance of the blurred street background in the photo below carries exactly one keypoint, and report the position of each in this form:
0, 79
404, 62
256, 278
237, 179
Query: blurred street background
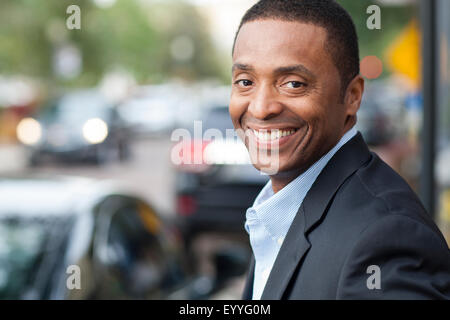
86, 123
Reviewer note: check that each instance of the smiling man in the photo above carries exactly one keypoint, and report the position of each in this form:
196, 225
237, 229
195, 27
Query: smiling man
334, 221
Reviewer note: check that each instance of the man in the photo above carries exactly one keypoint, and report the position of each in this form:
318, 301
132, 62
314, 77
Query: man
334, 221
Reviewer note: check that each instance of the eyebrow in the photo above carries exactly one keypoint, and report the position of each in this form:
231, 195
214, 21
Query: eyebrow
240, 66
299, 68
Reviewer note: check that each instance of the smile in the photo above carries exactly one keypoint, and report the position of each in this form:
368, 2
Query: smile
273, 135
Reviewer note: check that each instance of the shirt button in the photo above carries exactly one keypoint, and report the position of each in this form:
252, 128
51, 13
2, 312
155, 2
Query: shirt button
280, 240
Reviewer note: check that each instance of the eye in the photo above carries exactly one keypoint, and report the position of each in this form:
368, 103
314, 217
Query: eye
244, 83
295, 84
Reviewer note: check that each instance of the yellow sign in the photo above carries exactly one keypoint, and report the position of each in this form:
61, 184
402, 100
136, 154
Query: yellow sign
404, 54
445, 214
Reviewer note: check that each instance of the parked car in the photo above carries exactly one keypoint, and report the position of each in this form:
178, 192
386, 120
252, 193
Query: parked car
213, 195
79, 126
156, 110
149, 115
50, 226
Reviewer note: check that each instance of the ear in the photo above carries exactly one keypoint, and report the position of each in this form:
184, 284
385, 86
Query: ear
353, 95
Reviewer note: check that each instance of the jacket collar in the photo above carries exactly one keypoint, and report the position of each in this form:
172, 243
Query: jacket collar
295, 246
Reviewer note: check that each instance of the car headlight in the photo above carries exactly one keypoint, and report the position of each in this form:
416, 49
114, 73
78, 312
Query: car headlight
95, 130
29, 131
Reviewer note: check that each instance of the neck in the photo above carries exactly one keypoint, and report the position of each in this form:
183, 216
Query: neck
282, 179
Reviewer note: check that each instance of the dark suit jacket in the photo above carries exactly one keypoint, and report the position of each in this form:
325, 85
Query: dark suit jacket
359, 213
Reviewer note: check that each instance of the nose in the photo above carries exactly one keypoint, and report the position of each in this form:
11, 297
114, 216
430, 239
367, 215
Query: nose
263, 104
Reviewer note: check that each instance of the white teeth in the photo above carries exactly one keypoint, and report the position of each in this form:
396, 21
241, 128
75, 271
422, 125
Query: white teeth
265, 135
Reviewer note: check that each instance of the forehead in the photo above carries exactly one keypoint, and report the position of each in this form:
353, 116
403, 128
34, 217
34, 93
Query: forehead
278, 42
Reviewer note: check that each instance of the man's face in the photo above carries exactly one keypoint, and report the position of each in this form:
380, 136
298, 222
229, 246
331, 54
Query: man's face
283, 78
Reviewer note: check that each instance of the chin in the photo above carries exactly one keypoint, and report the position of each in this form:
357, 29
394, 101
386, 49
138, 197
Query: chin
273, 169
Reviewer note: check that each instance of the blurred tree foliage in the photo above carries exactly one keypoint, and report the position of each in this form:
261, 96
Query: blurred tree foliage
138, 36
129, 35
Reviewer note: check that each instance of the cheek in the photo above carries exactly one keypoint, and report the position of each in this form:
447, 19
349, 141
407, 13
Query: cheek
320, 123
311, 111
320, 110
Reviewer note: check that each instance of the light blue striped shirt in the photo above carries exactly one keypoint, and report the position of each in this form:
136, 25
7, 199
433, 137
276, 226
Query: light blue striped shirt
268, 220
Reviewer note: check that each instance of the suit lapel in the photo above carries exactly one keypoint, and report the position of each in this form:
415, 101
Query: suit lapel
248, 289
295, 246
352, 156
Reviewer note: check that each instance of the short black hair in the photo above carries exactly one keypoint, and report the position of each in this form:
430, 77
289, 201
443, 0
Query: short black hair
342, 39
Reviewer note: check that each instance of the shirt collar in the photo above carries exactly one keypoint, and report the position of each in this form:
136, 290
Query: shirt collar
277, 211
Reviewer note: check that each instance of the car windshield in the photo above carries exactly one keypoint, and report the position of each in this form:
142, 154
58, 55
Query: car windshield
24, 249
76, 108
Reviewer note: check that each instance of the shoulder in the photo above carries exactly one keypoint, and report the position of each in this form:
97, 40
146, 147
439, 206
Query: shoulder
413, 261
391, 193
376, 191
394, 234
